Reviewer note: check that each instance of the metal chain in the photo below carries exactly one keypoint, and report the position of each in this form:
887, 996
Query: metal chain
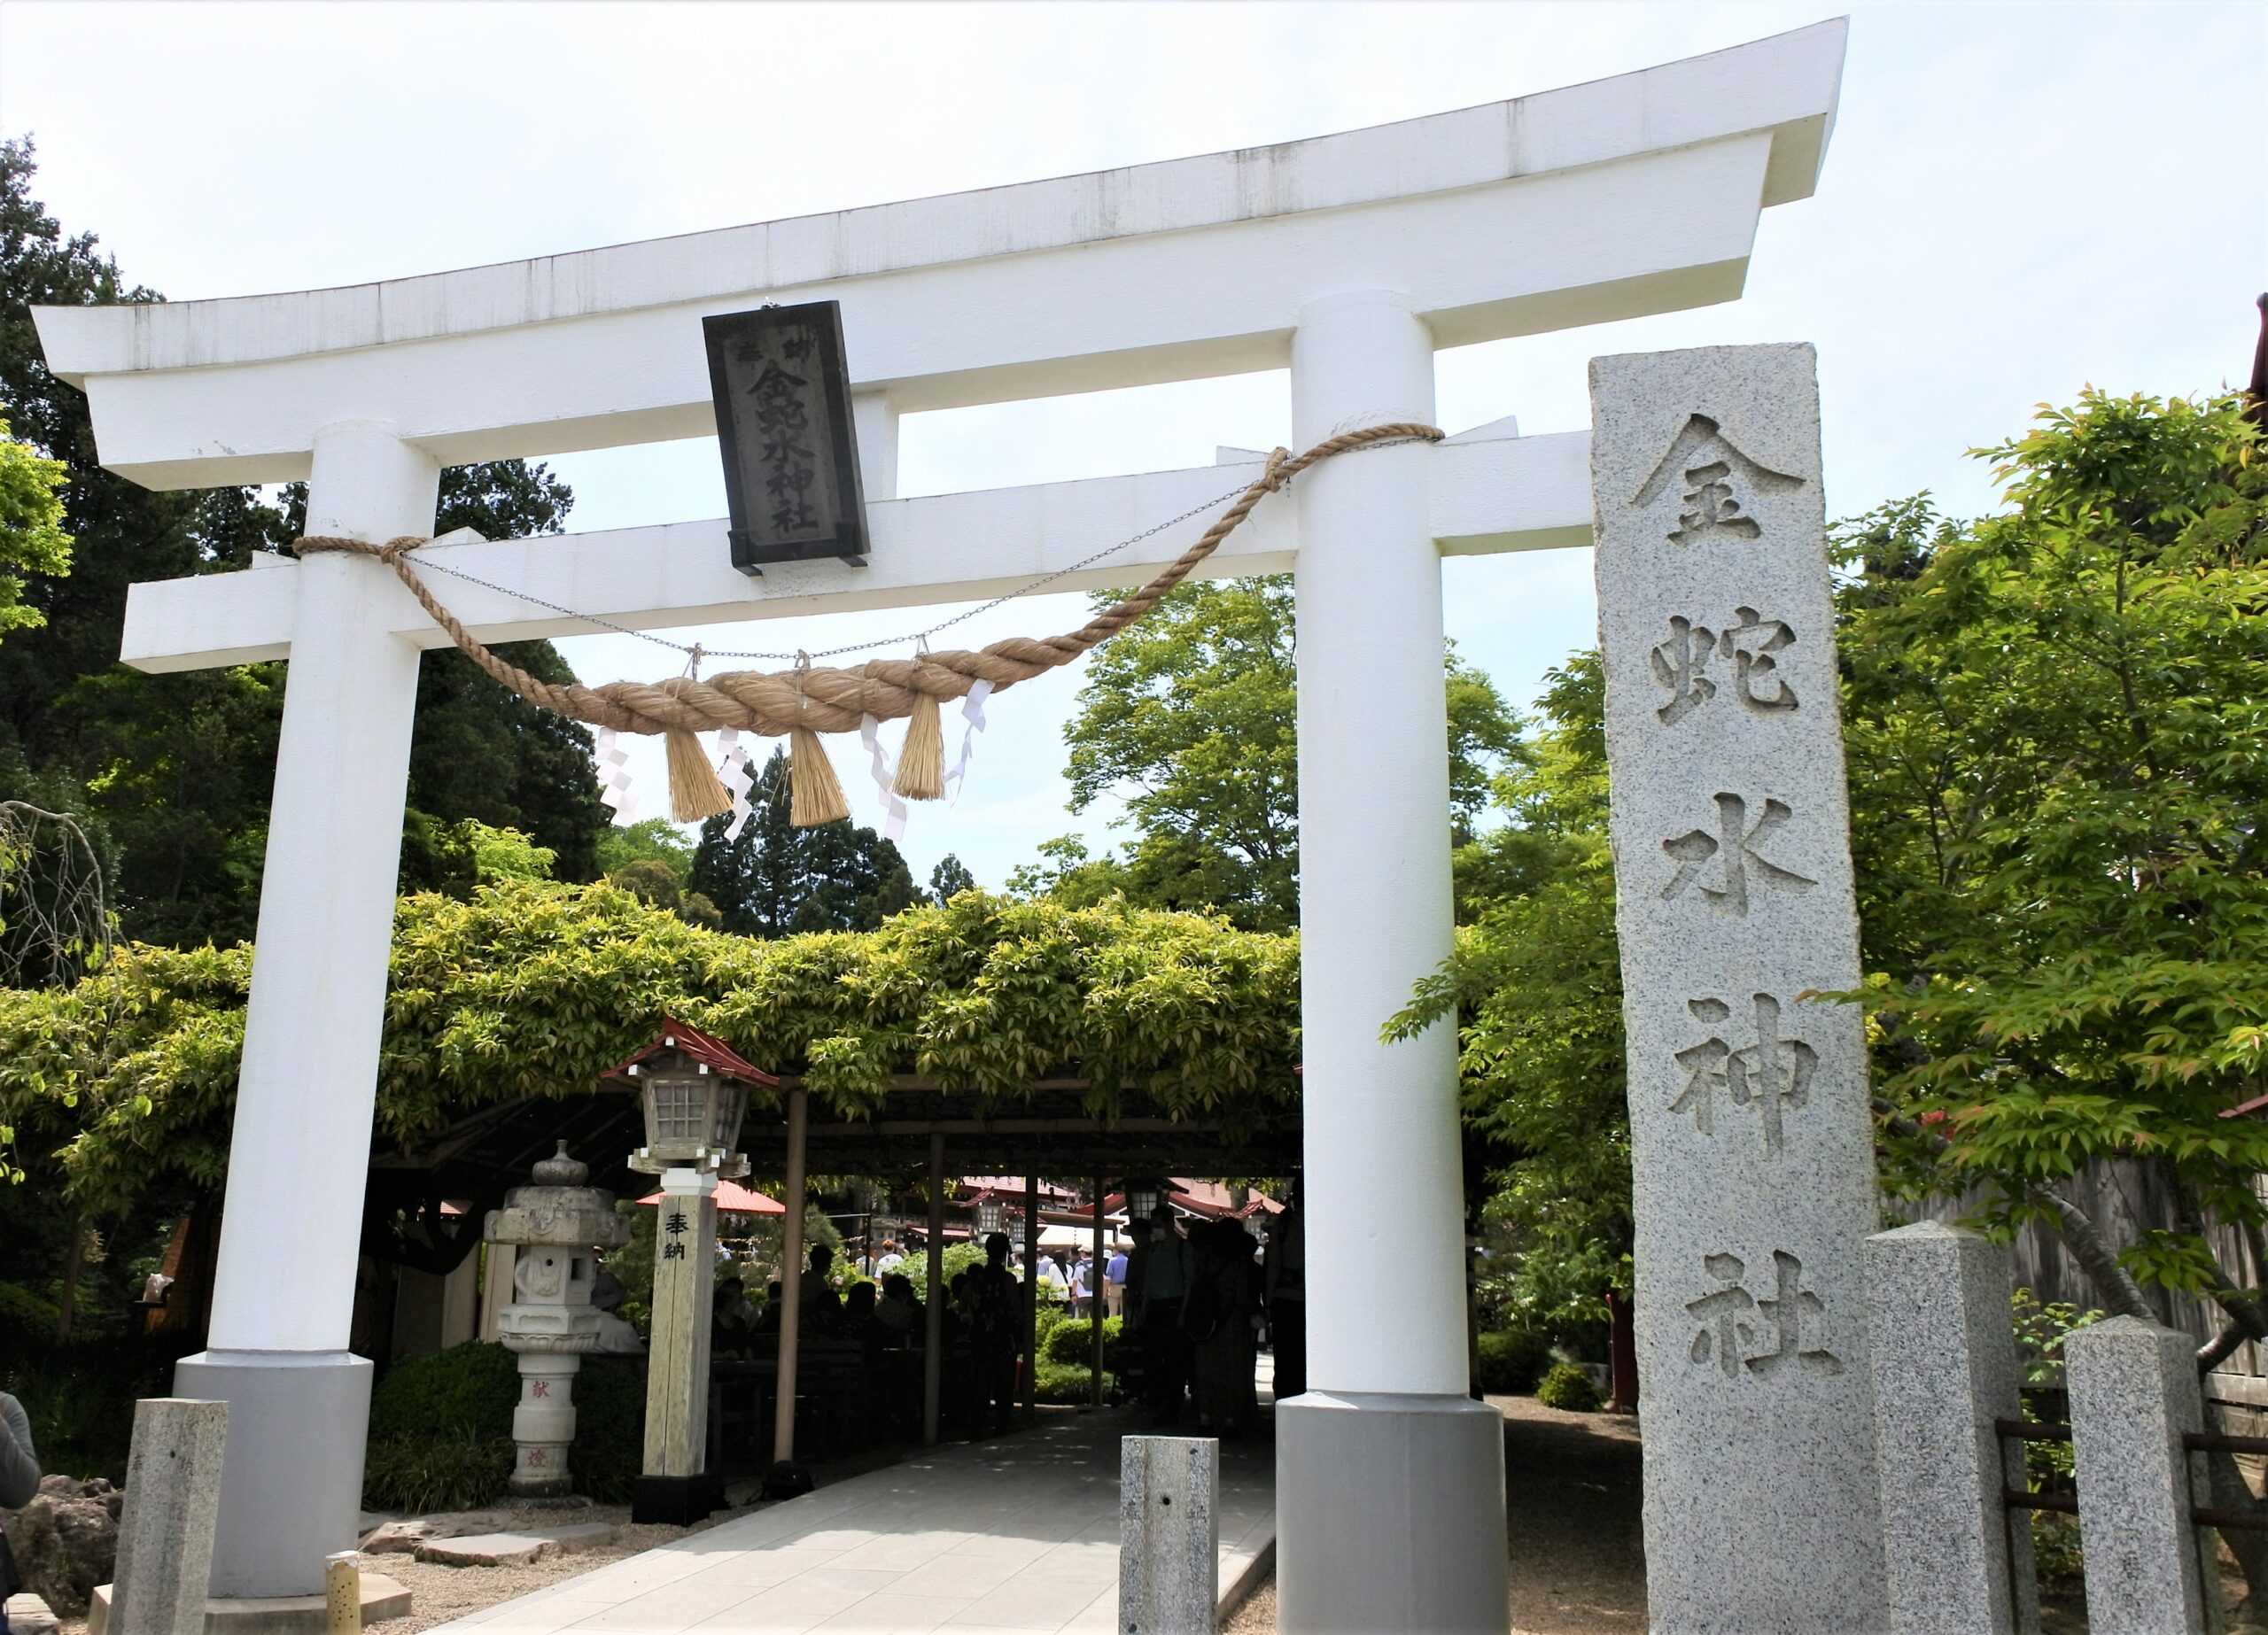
431, 563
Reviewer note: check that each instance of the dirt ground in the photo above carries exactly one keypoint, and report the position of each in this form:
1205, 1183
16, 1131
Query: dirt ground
438, 1593
1578, 1557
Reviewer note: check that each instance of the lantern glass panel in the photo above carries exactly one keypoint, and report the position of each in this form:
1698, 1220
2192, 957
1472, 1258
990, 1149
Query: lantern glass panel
677, 1110
731, 1106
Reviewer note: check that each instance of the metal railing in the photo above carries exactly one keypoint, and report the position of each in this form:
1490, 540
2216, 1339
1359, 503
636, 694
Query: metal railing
2192, 1442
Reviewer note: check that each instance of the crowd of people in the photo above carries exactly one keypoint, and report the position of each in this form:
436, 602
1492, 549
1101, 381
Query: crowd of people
1195, 1298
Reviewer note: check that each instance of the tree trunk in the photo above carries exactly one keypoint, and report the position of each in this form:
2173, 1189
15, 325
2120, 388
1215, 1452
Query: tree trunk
67, 1308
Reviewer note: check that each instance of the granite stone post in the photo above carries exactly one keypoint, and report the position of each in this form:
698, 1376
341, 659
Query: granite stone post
1168, 1535
173, 1505
2134, 1395
1945, 1369
1751, 1139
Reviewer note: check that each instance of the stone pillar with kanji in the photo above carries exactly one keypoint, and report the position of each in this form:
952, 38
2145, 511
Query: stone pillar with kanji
1752, 1138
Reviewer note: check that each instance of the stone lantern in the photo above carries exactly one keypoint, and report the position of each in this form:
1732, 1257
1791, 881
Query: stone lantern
694, 1092
556, 1227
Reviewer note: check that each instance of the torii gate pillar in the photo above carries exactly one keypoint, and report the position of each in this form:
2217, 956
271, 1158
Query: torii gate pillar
278, 1347
1386, 1429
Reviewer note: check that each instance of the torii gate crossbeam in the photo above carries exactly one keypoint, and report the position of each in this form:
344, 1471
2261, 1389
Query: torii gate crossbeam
1351, 259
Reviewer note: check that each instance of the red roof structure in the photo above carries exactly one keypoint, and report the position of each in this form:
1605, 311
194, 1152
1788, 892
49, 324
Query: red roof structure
1207, 1199
712, 1052
734, 1198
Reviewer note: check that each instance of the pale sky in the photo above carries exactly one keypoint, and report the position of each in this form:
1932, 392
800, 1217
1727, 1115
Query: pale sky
2019, 200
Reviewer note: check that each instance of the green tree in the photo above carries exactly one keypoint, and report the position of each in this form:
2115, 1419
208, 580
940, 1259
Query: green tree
173, 772
31, 526
1193, 713
1535, 982
2059, 763
949, 880
648, 840
774, 879
121, 532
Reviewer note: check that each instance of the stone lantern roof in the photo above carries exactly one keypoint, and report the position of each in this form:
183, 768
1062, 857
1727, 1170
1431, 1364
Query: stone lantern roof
711, 1051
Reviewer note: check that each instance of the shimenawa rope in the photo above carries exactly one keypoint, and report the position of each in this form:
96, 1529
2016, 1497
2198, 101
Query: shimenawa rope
803, 702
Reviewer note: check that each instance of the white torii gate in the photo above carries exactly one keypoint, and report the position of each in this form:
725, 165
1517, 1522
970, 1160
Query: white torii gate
1349, 258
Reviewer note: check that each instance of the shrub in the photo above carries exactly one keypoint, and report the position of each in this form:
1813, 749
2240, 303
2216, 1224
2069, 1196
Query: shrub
1512, 1361
26, 1317
1068, 1341
441, 1429
467, 1390
609, 1428
422, 1473
1569, 1389
1064, 1383
2040, 1332
80, 1398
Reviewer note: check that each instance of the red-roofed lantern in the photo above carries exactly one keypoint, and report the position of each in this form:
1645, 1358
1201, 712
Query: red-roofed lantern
694, 1092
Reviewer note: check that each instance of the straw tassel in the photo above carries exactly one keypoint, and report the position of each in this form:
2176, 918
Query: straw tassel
694, 791
815, 793
921, 761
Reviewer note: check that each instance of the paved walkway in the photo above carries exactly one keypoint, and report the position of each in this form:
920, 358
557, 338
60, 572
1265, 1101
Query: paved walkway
1020, 1534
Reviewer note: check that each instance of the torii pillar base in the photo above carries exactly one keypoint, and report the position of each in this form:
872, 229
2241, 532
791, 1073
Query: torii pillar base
292, 1480
1390, 1515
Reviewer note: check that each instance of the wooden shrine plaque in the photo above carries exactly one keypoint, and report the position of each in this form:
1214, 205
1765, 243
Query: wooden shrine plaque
783, 425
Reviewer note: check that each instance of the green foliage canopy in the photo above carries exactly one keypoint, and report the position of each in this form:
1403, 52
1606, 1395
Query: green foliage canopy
529, 989
169, 775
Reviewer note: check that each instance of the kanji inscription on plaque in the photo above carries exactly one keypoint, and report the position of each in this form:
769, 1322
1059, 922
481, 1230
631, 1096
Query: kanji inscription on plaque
783, 396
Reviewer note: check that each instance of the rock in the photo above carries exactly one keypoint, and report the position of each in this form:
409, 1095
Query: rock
399, 1538
27, 1614
65, 1540
515, 1549
403, 1536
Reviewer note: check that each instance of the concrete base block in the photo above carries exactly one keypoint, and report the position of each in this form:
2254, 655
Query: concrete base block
28, 1614
274, 1614
675, 1501
292, 1482
1390, 1515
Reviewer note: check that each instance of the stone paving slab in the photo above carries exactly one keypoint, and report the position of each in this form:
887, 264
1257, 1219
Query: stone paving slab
1016, 1535
515, 1549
